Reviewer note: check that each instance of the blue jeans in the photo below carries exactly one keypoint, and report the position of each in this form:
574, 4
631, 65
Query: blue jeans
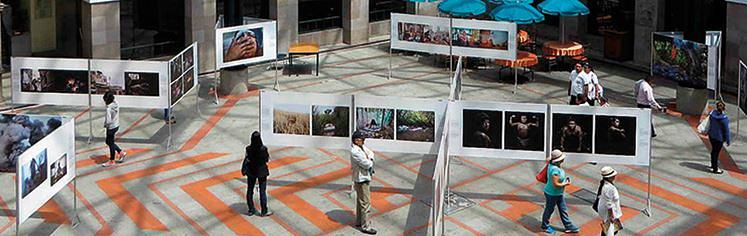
550, 203
113, 148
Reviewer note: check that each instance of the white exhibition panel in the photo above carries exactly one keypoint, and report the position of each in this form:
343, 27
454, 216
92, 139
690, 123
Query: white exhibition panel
58, 144
114, 70
195, 73
642, 138
441, 23
269, 43
35, 64
457, 132
118, 68
270, 100
403, 103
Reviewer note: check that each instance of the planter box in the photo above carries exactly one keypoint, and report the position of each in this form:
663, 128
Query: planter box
691, 101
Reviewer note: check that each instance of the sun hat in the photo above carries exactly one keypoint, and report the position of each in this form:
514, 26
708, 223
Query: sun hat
608, 172
557, 156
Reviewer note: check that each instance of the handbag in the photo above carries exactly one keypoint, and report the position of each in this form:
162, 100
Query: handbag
542, 175
705, 125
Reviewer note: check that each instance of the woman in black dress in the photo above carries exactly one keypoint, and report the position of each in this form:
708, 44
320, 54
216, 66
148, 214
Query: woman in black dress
255, 169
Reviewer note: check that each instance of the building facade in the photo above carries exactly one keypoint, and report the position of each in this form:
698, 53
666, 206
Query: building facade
618, 30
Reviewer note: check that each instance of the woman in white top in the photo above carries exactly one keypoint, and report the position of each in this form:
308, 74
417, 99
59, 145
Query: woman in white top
608, 206
592, 83
111, 123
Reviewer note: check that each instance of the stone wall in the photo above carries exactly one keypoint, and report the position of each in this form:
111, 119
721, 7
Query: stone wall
199, 26
101, 30
735, 45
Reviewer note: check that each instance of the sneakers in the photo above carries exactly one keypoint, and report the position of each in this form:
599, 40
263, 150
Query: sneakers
370, 231
549, 230
108, 164
121, 158
266, 214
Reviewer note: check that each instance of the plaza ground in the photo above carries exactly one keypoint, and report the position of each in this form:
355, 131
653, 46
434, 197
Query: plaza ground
195, 186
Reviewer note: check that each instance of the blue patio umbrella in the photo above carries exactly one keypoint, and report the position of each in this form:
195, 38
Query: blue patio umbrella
463, 8
563, 8
518, 12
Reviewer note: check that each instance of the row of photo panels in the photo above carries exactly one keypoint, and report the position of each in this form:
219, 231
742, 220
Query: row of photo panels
576, 133
132, 83
375, 123
182, 74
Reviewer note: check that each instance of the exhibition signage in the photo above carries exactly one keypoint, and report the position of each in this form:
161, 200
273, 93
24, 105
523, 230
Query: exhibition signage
246, 44
47, 166
680, 60
471, 38
323, 120
183, 73
138, 84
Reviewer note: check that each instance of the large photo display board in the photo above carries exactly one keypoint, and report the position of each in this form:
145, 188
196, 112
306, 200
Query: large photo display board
679, 60
743, 86
473, 38
183, 73
246, 44
503, 130
324, 120
609, 135
138, 84
45, 167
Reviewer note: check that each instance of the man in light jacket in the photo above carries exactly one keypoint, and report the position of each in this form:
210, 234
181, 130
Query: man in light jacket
362, 164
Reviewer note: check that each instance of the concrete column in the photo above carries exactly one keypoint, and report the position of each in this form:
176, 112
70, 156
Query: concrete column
355, 21
734, 45
101, 30
649, 18
427, 8
199, 26
286, 14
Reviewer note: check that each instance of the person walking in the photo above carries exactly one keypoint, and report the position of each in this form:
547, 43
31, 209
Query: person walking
644, 97
362, 164
608, 203
111, 123
556, 183
592, 84
573, 89
718, 133
255, 169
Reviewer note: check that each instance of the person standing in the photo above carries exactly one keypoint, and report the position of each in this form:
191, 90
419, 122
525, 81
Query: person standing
111, 123
591, 82
608, 205
718, 133
556, 183
255, 169
573, 89
362, 165
644, 97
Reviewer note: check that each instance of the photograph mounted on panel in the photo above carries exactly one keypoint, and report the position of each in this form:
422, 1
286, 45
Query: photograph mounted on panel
615, 135
680, 60
291, 119
189, 80
482, 129
423, 33
480, 38
177, 90
376, 123
743, 87
54, 81
34, 173
176, 68
525, 131
418, 126
330, 121
572, 133
102, 83
58, 169
141, 84
19, 132
242, 44
188, 59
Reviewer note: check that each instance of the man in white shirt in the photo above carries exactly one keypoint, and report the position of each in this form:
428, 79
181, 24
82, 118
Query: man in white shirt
362, 165
571, 79
591, 82
644, 97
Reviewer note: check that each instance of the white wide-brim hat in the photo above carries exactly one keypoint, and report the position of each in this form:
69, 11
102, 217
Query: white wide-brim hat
557, 156
608, 172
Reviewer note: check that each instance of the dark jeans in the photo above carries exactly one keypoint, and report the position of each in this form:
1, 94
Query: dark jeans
113, 148
591, 102
262, 193
574, 100
653, 132
550, 203
716, 147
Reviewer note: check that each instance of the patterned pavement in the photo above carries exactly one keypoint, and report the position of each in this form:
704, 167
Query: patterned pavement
195, 186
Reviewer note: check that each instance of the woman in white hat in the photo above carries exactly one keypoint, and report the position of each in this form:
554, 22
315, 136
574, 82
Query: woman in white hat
556, 183
608, 206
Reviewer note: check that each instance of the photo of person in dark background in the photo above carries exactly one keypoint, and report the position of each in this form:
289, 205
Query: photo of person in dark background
572, 133
242, 44
188, 59
54, 81
176, 68
34, 173
615, 135
141, 84
482, 129
525, 131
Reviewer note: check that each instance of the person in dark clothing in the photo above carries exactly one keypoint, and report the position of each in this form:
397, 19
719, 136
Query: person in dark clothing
255, 169
718, 133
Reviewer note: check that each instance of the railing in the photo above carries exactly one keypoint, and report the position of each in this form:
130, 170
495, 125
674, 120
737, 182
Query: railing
319, 24
149, 50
